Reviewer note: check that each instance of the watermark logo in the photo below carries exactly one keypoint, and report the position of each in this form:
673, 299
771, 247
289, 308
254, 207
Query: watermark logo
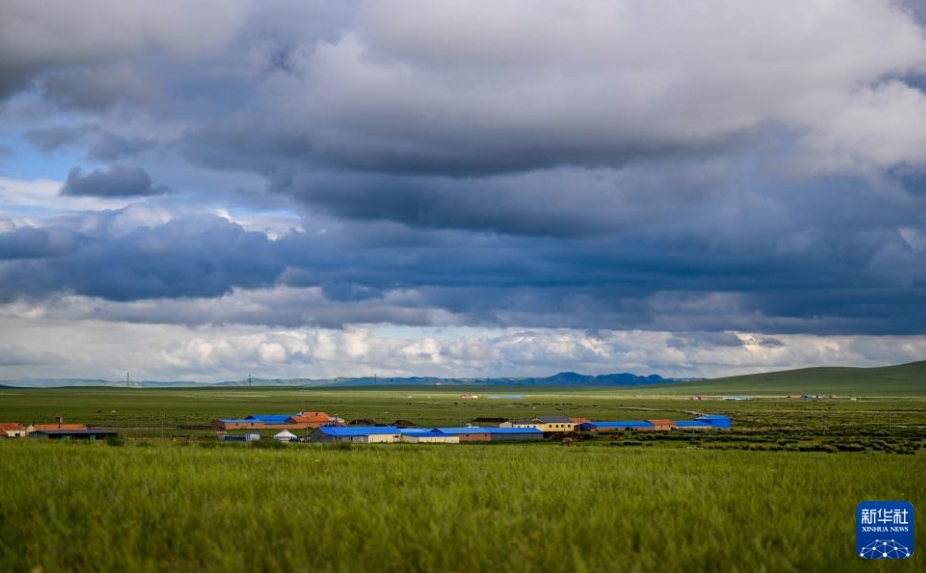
884, 530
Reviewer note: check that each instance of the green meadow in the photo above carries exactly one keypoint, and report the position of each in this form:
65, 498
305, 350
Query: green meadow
775, 493
157, 506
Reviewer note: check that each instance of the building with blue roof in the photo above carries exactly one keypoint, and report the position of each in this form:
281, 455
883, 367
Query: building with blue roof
477, 434
711, 421
715, 421
358, 434
272, 419
432, 436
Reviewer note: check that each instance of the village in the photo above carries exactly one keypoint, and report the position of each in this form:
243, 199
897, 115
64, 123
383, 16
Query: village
319, 427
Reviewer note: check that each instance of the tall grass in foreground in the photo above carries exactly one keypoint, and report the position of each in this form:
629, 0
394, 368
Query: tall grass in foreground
89, 507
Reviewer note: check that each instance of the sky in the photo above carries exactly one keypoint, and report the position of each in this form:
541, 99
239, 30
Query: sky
202, 190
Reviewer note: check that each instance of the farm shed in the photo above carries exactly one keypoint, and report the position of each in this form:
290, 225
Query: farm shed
692, 425
44, 427
514, 434
661, 425
12, 430
95, 434
272, 419
469, 434
555, 423
549, 424
614, 426
715, 421
237, 424
518, 424
361, 434
304, 420
247, 437
433, 436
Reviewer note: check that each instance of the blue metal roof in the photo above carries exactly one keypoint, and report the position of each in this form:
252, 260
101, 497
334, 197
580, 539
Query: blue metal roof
461, 431
416, 431
692, 424
353, 431
272, 418
241, 421
435, 433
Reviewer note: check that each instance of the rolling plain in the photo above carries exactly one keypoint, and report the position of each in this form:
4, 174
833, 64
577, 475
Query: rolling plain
776, 493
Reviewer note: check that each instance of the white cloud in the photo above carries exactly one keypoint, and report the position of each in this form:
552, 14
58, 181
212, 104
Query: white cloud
109, 349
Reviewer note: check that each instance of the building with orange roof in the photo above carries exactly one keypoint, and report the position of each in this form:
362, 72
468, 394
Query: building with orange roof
662, 425
12, 430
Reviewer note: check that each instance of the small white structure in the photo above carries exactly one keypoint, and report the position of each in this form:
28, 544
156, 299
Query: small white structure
285, 436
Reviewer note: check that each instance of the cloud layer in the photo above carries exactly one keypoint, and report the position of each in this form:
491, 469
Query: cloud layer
675, 167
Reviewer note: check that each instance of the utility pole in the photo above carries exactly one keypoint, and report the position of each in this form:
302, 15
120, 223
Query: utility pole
249, 380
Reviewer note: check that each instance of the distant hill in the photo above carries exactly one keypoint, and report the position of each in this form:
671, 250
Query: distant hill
561, 379
904, 379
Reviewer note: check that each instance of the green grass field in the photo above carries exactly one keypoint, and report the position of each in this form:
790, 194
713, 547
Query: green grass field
541, 507
896, 381
776, 493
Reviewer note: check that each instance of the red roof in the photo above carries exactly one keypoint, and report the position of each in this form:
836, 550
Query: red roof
11, 426
661, 422
42, 427
310, 417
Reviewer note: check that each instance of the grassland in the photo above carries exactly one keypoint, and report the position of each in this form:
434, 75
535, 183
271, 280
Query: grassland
888, 381
777, 493
163, 507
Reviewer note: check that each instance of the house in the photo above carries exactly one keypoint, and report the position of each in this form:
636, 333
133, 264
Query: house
237, 424
518, 424
469, 434
272, 419
614, 426
661, 425
12, 430
310, 420
360, 434
514, 434
32, 428
299, 421
78, 434
432, 436
548, 424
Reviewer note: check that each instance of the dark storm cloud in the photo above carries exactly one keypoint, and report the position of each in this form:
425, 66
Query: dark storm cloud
592, 167
117, 181
39, 40
51, 139
378, 273
205, 257
94, 89
111, 147
29, 242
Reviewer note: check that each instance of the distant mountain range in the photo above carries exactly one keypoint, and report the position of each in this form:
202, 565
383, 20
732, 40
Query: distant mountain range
561, 379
